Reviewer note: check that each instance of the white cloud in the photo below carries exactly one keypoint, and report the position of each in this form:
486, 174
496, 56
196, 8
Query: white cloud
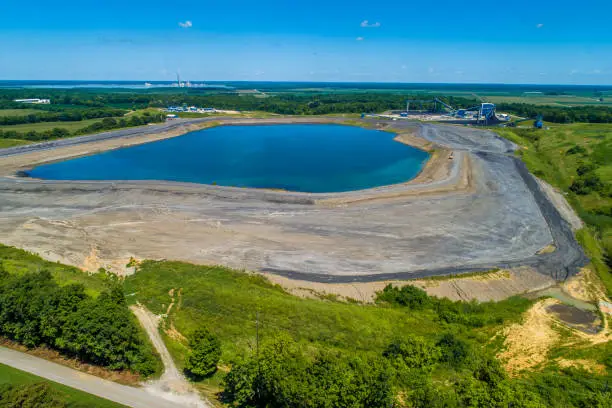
360, 38
540, 25
596, 71
186, 24
366, 24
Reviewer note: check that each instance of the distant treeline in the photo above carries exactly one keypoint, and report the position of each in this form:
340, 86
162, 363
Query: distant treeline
36, 311
294, 103
105, 124
558, 114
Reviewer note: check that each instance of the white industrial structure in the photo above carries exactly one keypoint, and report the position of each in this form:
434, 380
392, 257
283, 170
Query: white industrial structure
36, 101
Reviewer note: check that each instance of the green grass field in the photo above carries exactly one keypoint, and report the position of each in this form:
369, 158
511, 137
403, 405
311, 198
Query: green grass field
42, 126
231, 302
17, 112
4, 143
551, 100
71, 396
17, 261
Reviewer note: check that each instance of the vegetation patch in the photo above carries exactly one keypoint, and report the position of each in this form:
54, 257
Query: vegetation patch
21, 389
412, 349
35, 310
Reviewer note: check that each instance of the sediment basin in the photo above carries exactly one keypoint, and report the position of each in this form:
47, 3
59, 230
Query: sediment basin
473, 207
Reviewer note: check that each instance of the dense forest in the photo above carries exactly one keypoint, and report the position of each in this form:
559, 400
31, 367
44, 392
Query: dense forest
36, 311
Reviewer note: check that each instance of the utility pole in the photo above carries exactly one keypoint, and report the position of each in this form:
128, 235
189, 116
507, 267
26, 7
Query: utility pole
257, 334
257, 354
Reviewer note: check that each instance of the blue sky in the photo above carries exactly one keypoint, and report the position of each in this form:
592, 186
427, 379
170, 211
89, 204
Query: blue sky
537, 41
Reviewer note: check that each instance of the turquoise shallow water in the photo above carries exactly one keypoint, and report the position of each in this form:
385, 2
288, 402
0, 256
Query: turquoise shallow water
308, 158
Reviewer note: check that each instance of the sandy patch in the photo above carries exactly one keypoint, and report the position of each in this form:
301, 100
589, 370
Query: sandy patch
527, 343
587, 365
585, 286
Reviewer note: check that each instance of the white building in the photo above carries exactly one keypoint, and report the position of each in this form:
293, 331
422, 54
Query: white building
36, 101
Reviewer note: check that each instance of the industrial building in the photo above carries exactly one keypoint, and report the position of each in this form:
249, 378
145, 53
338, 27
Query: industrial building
34, 101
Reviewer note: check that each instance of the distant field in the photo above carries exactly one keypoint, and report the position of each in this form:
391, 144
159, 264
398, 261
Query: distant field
4, 143
71, 396
553, 100
495, 96
17, 112
42, 126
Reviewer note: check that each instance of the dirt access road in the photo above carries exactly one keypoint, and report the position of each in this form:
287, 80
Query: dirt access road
171, 385
121, 394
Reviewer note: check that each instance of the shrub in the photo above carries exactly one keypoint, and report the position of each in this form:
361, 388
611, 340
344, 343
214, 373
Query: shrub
576, 150
204, 355
413, 352
453, 350
410, 296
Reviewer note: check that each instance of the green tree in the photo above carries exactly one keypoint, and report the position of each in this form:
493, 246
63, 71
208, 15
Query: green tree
205, 353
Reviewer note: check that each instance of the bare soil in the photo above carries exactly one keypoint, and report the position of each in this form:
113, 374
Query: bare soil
527, 343
475, 208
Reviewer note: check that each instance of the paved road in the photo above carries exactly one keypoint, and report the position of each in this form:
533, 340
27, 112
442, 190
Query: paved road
122, 394
113, 134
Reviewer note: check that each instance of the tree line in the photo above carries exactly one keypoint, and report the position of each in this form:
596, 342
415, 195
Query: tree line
68, 115
36, 311
560, 114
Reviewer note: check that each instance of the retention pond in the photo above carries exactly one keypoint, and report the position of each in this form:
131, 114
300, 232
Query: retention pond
308, 158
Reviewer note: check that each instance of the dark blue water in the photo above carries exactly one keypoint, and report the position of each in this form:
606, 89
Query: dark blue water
310, 158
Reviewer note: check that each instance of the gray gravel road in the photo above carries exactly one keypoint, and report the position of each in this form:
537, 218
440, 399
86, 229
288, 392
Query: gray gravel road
121, 394
123, 133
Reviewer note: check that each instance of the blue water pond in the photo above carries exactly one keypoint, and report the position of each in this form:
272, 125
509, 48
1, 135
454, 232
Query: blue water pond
309, 158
